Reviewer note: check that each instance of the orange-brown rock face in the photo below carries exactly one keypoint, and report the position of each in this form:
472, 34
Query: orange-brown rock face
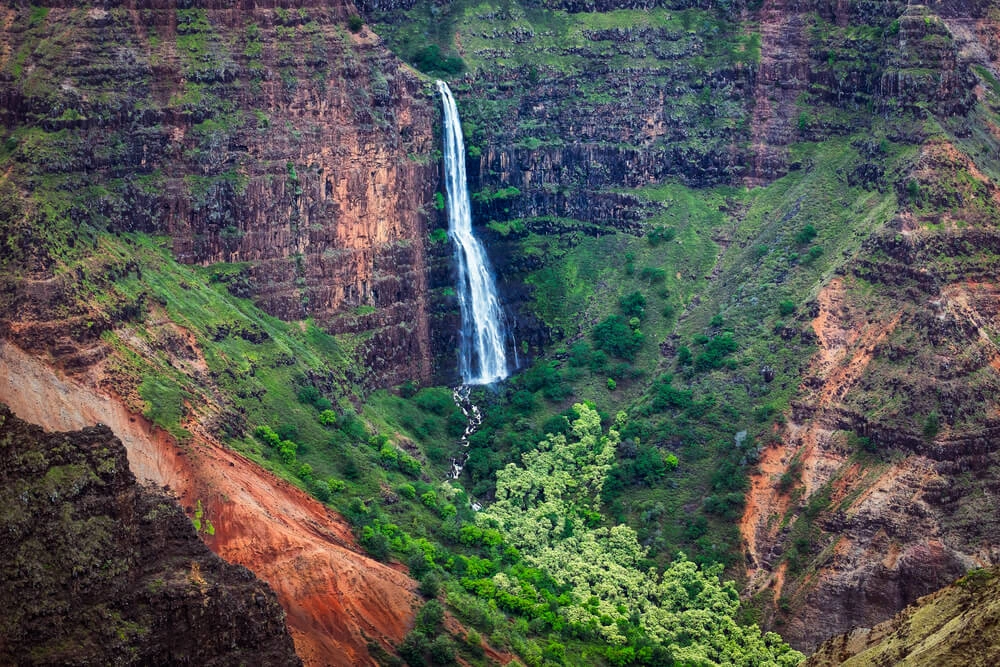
782, 75
881, 488
272, 137
336, 599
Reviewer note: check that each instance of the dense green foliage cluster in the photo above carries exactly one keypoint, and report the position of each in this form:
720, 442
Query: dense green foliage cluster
548, 508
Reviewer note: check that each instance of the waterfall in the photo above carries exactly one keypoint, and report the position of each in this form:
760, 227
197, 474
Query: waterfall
482, 358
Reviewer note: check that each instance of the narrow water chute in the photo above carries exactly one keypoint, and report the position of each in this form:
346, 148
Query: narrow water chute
482, 356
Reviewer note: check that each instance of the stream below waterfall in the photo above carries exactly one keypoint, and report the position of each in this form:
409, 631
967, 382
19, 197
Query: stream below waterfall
474, 417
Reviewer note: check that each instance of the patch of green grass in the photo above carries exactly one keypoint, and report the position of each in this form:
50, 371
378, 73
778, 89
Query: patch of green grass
164, 403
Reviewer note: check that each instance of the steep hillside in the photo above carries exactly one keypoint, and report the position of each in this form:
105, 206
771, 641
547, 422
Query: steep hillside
957, 625
100, 570
815, 353
274, 140
339, 603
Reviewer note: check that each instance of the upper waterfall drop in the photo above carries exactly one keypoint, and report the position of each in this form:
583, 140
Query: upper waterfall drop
482, 358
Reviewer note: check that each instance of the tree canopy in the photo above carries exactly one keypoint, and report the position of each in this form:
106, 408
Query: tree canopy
548, 508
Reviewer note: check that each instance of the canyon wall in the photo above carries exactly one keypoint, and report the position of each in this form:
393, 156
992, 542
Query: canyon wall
879, 490
269, 138
571, 109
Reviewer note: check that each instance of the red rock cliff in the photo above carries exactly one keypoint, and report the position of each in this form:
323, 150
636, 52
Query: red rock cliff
266, 134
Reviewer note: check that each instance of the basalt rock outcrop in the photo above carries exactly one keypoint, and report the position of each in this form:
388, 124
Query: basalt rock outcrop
97, 569
338, 603
271, 137
958, 625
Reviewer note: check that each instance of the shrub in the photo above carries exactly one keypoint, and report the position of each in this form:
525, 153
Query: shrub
598, 362
612, 385
715, 352
430, 585
614, 336
683, 355
555, 425
412, 649
653, 274
430, 59
310, 395
728, 506
659, 235
430, 617
435, 400
388, 457
407, 491
409, 465
633, 305
579, 354
321, 490
667, 396
286, 452
475, 643
355, 23
523, 401
786, 307
288, 431
805, 235
375, 543
442, 650
267, 435
328, 418
932, 424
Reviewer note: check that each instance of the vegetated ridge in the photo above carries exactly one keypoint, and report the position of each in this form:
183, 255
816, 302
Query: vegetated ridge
340, 605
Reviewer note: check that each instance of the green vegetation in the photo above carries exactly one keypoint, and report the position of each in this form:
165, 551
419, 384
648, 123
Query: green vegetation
688, 307
588, 581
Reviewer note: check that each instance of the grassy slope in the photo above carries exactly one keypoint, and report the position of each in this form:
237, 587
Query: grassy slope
733, 260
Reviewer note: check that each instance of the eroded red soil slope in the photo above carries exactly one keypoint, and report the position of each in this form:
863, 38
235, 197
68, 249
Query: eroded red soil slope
337, 600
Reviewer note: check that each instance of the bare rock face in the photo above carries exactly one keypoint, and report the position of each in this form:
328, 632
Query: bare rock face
99, 570
268, 137
958, 625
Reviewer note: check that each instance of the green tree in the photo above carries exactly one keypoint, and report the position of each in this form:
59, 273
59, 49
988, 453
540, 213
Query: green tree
542, 509
633, 305
614, 336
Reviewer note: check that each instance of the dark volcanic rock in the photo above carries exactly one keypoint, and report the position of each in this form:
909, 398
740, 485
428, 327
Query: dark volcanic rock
95, 569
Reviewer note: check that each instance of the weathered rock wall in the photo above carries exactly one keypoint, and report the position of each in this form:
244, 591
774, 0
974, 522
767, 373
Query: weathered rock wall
886, 467
264, 134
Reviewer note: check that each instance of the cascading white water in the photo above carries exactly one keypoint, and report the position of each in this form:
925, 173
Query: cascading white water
482, 358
